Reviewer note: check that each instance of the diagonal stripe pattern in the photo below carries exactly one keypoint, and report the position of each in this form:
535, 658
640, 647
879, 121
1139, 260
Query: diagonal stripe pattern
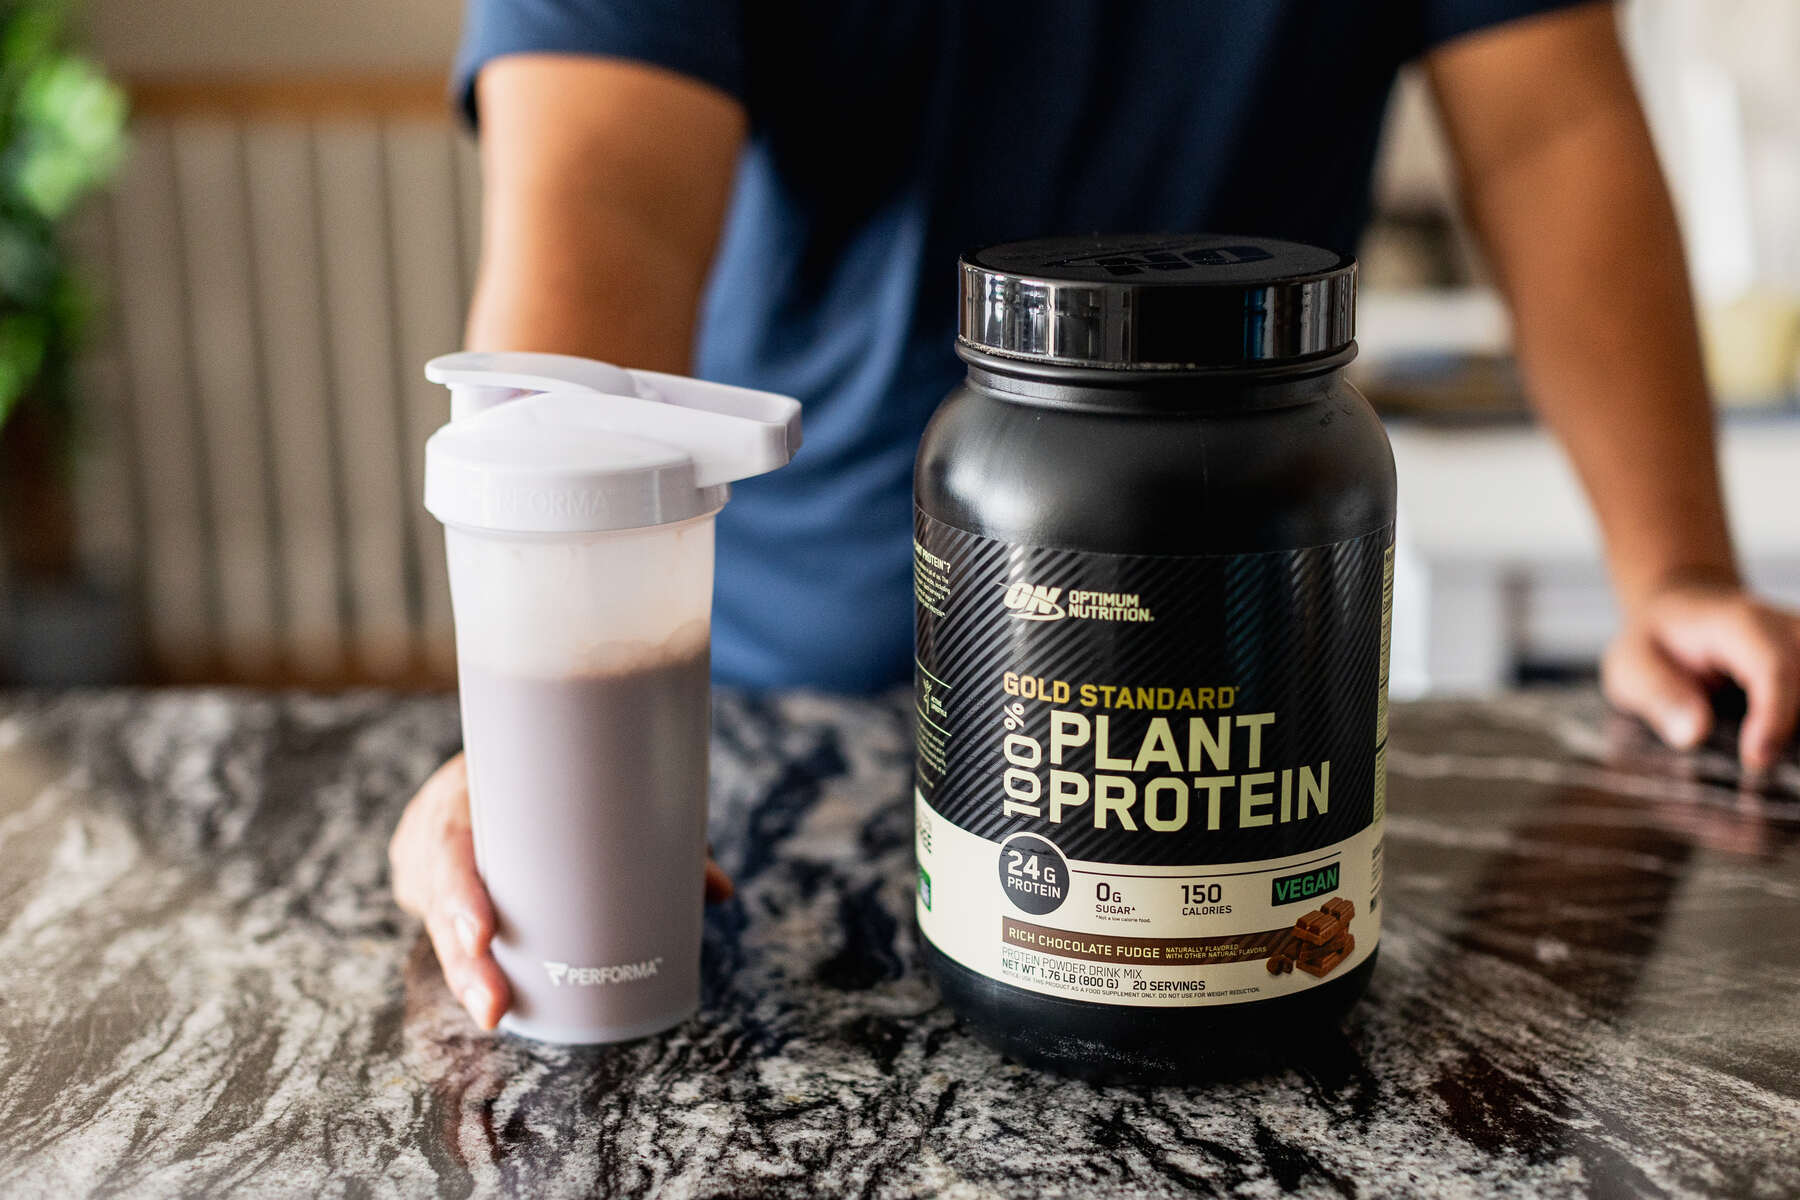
1296, 632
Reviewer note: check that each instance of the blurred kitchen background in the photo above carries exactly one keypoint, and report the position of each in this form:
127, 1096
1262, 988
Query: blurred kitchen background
224, 484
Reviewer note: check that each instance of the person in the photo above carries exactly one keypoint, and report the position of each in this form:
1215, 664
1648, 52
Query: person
775, 196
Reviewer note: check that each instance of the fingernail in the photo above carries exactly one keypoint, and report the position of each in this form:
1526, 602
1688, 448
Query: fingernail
1681, 728
465, 933
479, 1001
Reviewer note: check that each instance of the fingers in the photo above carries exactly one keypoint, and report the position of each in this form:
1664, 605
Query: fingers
1753, 645
460, 919
474, 978
1764, 657
431, 816
457, 894
433, 859
1638, 677
1730, 634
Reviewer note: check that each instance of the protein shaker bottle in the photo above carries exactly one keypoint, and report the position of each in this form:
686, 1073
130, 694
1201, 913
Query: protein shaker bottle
578, 502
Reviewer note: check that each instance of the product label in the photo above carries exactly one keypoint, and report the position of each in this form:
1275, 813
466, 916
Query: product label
1150, 780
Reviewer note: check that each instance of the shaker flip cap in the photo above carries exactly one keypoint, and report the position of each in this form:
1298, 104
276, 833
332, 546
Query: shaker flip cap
548, 443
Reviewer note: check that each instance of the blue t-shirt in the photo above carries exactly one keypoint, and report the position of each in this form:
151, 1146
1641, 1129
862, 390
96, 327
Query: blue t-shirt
888, 136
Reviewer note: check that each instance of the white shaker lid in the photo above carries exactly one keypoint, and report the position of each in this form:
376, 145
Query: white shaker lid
545, 443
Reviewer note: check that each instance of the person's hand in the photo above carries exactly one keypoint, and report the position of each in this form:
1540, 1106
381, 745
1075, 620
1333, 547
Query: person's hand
432, 856
1690, 635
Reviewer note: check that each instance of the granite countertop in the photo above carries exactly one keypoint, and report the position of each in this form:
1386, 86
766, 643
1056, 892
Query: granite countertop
1587, 982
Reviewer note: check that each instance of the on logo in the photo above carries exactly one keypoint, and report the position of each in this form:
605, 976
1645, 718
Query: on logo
1034, 602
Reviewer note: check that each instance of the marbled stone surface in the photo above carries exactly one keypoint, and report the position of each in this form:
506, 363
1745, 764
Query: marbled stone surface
1587, 985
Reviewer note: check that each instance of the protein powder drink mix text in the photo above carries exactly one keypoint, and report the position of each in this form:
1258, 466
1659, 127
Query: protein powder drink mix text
1153, 563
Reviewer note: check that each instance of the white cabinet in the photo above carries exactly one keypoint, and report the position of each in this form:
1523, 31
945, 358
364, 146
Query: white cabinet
1497, 561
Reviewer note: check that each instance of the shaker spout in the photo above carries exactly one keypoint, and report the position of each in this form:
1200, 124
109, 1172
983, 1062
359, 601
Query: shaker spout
479, 379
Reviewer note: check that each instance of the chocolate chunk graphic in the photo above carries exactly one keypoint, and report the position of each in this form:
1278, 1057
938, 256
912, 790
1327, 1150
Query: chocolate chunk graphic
1317, 928
1340, 908
1321, 961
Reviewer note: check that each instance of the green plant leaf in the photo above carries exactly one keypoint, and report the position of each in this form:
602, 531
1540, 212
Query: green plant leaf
70, 135
62, 134
24, 337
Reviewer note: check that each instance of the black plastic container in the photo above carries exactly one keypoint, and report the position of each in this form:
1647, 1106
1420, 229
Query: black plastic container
1155, 488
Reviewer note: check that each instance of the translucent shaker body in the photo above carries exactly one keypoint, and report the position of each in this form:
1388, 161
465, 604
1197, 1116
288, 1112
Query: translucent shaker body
584, 684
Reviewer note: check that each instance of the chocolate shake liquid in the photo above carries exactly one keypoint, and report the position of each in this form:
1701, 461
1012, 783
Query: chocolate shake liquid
593, 801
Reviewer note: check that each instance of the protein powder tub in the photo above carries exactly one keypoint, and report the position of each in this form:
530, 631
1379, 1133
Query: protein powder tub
1153, 567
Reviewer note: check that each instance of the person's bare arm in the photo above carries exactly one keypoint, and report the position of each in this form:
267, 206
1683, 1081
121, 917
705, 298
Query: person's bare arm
604, 185
1560, 181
